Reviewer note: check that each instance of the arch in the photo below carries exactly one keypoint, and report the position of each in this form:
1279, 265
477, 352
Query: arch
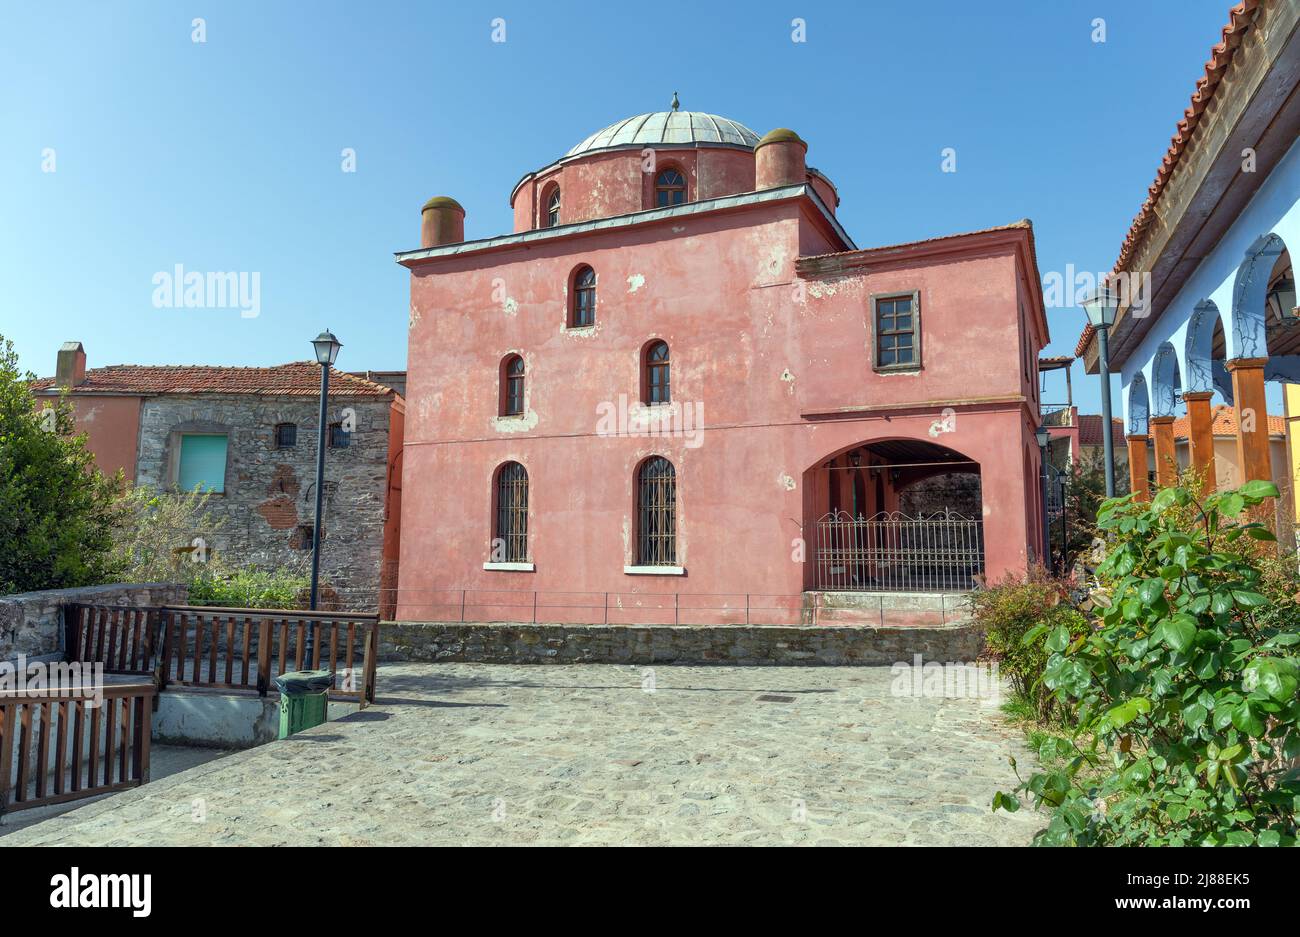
656, 373
1249, 292
512, 398
550, 205
1139, 406
1167, 382
510, 513
656, 512
670, 186
1204, 331
582, 297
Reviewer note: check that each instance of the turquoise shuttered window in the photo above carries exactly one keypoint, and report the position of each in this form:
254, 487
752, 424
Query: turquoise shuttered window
203, 462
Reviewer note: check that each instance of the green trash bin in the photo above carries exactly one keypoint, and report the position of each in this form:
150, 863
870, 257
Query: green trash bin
303, 698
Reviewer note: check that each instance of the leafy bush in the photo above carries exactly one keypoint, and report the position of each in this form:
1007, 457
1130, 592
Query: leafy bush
1185, 695
167, 537
1007, 611
57, 511
251, 588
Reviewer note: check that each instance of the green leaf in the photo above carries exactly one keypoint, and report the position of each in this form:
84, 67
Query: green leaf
1150, 590
1194, 716
1178, 632
1274, 676
1059, 639
1232, 504
1258, 489
1248, 599
1247, 720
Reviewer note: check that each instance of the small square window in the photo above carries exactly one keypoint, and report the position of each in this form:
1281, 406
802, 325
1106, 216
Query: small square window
306, 534
339, 437
286, 435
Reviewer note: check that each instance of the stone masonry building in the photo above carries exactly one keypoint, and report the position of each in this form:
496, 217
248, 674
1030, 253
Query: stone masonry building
249, 435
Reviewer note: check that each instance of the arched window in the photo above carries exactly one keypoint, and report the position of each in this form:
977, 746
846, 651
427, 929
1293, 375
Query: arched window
657, 383
552, 217
582, 311
670, 188
512, 386
510, 543
656, 503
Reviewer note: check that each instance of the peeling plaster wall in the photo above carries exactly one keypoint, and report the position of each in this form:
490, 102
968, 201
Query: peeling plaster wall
756, 347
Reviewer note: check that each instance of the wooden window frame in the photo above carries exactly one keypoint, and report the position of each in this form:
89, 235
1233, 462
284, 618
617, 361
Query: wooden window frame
915, 331
281, 428
656, 549
647, 368
510, 520
683, 188
575, 296
505, 401
551, 194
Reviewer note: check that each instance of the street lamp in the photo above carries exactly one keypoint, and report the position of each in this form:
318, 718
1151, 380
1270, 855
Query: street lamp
1044, 437
327, 352
1101, 307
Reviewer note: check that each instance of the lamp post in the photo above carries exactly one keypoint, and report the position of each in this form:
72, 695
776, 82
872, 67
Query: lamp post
1062, 478
327, 352
1044, 437
1101, 307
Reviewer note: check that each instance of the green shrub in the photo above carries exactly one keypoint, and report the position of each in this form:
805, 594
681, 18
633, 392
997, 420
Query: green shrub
1185, 695
1007, 611
165, 537
57, 511
251, 588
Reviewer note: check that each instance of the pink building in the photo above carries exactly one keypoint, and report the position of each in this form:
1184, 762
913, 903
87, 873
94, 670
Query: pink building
678, 386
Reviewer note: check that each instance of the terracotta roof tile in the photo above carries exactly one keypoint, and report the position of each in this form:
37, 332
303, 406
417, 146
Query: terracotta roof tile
1239, 19
1225, 423
296, 379
1090, 430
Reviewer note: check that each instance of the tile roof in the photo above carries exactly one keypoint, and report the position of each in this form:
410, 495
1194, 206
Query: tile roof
1090, 430
1225, 423
1239, 19
296, 379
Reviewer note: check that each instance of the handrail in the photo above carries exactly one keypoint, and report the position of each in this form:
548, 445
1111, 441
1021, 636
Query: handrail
271, 612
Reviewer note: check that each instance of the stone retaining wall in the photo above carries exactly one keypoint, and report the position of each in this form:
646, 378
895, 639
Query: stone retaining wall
512, 643
30, 622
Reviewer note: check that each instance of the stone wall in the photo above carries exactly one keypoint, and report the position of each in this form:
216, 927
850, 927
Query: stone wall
31, 623
666, 644
956, 491
270, 493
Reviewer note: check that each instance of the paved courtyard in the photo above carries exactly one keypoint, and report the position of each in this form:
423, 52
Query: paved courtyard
476, 754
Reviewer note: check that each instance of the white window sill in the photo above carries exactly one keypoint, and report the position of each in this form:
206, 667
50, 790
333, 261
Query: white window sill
511, 567
654, 570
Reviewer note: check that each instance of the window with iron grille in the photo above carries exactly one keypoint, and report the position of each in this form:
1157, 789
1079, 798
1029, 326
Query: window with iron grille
897, 332
657, 375
286, 435
553, 208
512, 386
583, 311
670, 188
339, 437
656, 497
512, 515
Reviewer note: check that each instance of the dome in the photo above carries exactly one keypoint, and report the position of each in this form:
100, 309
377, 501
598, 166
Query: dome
669, 127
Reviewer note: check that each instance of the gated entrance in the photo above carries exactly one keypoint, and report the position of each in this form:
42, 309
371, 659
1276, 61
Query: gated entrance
939, 552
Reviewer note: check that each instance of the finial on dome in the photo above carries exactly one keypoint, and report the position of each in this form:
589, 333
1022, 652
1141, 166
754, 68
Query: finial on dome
676, 103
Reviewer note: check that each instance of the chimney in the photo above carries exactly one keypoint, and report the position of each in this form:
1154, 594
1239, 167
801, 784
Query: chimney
71, 368
442, 221
779, 160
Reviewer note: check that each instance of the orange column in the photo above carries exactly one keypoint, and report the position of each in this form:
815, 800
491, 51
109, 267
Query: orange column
1137, 468
1252, 418
1162, 433
1201, 437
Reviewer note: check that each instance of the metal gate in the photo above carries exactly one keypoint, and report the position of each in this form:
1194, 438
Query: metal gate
892, 552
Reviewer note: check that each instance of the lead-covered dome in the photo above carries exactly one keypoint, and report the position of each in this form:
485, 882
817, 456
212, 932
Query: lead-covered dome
668, 127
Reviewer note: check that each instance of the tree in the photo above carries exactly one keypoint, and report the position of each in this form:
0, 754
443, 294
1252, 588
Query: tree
167, 538
57, 511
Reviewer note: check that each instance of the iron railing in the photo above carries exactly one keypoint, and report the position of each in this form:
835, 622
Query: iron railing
891, 552
657, 513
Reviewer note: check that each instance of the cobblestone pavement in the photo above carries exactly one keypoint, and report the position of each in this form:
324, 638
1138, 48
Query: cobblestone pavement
476, 754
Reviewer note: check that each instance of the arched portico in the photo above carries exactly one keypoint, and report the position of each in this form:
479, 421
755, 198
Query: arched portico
862, 541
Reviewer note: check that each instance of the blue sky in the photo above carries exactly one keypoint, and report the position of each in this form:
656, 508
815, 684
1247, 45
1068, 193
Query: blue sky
227, 155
